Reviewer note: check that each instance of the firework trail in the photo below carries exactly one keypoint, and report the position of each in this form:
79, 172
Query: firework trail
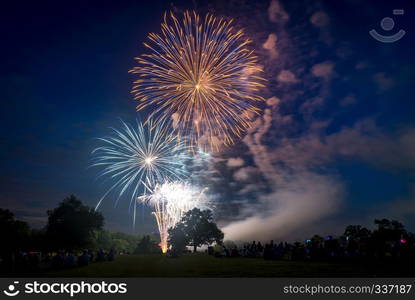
201, 74
170, 201
138, 158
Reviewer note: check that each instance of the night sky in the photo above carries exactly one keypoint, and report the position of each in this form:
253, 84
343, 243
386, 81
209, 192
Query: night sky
334, 145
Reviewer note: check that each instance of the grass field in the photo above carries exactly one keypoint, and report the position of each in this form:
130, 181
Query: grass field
202, 265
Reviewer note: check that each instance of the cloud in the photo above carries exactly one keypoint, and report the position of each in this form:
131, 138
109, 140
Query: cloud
389, 151
323, 70
364, 141
244, 174
383, 82
304, 199
249, 189
301, 190
320, 19
276, 12
235, 162
271, 45
294, 152
273, 101
309, 107
294, 195
287, 76
254, 142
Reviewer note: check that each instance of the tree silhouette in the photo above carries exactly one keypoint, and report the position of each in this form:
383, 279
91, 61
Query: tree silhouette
72, 224
14, 235
357, 232
146, 246
196, 228
389, 230
387, 236
178, 239
358, 239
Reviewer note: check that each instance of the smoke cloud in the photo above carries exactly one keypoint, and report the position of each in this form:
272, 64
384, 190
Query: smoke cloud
304, 199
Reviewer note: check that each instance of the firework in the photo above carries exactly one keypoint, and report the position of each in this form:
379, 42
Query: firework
170, 201
137, 158
201, 74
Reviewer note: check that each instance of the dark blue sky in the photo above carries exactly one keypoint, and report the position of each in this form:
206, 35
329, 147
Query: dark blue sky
64, 81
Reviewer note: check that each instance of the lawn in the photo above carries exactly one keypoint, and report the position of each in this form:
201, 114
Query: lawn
202, 265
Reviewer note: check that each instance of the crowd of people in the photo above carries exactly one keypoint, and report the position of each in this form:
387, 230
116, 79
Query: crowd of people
328, 248
38, 261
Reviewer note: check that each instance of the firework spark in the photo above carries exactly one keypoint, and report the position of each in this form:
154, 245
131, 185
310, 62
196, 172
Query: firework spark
170, 201
138, 158
201, 74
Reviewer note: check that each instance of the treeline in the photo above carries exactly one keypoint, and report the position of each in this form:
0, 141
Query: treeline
72, 229
74, 236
